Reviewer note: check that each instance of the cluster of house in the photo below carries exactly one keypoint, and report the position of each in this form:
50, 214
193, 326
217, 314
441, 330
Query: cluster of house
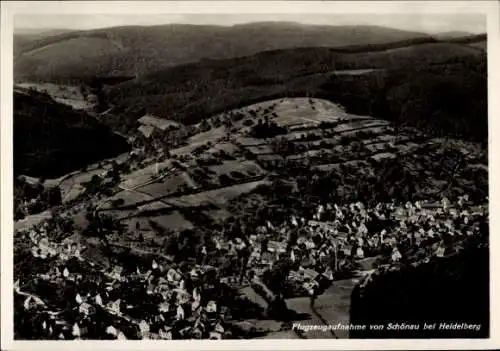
44, 248
166, 303
337, 235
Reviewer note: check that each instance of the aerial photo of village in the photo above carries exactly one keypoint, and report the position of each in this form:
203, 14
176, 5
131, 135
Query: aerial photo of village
250, 180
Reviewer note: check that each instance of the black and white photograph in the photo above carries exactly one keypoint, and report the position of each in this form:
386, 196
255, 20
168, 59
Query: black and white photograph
247, 175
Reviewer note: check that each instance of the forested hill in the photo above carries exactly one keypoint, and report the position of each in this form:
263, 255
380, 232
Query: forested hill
52, 139
139, 50
437, 86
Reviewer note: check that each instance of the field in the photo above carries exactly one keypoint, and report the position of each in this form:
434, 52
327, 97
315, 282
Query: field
212, 135
168, 185
219, 197
144, 175
173, 221
247, 168
31, 221
129, 198
327, 140
228, 148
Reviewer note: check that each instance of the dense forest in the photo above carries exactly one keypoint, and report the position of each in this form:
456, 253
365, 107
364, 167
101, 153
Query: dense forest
137, 50
52, 139
452, 289
444, 99
440, 87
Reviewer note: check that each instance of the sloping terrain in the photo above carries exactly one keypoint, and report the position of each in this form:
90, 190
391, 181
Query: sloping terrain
261, 138
262, 161
141, 50
322, 152
52, 139
406, 85
451, 35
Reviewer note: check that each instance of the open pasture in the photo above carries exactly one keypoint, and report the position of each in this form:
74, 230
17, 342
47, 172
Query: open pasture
247, 141
295, 111
168, 185
31, 220
364, 125
153, 206
185, 150
218, 214
260, 150
73, 193
213, 135
219, 197
144, 175
67, 184
300, 110
245, 167
228, 148
128, 197
172, 221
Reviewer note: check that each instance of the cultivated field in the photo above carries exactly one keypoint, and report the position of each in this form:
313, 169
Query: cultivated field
219, 197
145, 175
248, 168
168, 185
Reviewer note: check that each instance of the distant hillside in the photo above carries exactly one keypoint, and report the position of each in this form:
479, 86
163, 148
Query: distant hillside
480, 45
37, 32
137, 50
451, 35
24, 37
51, 139
400, 89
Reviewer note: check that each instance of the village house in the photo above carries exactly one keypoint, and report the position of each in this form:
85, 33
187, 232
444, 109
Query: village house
86, 309
32, 302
